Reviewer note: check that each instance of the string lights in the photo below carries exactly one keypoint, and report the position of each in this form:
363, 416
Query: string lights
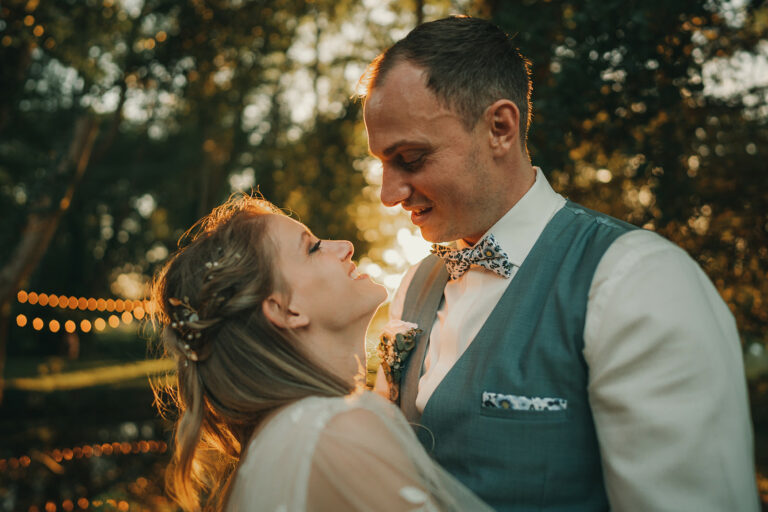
110, 503
87, 451
81, 303
120, 311
128, 311
82, 504
137, 488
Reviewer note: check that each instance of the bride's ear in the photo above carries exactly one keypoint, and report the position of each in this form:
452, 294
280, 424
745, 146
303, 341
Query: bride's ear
277, 309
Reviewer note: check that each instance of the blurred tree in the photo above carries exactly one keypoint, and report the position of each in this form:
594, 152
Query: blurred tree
143, 115
654, 112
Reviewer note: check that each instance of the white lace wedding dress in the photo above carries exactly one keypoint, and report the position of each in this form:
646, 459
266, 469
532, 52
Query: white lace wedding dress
337, 454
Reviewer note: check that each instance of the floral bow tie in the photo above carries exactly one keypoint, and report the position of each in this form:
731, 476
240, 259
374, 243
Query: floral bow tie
485, 253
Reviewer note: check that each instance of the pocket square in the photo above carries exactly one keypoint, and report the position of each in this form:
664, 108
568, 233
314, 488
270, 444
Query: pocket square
523, 403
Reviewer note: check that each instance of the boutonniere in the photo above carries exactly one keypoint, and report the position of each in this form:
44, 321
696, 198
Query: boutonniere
396, 342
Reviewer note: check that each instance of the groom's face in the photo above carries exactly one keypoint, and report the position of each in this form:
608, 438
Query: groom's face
433, 167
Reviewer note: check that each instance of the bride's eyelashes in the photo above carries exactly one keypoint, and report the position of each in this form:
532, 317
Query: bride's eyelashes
315, 247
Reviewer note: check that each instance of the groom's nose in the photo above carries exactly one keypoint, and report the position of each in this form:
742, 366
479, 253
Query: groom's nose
394, 187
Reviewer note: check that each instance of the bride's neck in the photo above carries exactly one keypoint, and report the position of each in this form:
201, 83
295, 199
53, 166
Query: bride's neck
340, 351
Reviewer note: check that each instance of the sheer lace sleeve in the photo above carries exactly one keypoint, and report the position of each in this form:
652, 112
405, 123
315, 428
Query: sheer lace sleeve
343, 453
368, 459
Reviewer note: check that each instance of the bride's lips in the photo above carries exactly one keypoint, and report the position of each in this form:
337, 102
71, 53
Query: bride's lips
355, 274
420, 215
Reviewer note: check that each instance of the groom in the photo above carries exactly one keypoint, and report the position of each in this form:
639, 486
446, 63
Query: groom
568, 360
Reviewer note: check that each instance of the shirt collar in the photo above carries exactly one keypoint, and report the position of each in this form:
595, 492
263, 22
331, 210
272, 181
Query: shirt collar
518, 229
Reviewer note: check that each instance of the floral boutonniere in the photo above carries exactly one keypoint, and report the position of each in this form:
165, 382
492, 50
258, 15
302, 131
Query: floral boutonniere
396, 342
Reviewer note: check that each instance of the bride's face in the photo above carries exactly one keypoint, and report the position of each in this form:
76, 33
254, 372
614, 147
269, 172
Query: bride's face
324, 283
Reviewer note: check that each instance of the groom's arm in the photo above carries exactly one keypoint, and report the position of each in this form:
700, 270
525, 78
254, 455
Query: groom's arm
666, 383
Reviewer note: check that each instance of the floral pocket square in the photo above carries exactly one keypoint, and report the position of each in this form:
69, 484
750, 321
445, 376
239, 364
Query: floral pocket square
523, 403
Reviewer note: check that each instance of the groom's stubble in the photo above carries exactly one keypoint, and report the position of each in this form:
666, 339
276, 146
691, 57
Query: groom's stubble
460, 181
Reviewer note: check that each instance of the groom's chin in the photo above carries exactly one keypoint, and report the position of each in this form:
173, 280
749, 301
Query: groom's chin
434, 236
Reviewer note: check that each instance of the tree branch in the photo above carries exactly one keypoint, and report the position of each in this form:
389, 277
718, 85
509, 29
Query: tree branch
40, 228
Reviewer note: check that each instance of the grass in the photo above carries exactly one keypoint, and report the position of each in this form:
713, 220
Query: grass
92, 374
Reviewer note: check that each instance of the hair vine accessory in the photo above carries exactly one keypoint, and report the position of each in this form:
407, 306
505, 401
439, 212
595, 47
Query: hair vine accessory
189, 354
181, 324
210, 265
214, 264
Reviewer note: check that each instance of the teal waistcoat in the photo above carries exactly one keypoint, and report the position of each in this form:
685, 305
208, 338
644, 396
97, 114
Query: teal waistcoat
530, 346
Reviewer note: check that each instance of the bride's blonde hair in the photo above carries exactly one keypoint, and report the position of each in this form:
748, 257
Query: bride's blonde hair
233, 366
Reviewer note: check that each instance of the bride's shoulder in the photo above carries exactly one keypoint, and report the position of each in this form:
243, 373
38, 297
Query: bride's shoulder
316, 413
363, 417
337, 414
329, 407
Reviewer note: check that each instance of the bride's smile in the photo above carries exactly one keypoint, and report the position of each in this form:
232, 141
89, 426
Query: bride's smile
321, 296
323, 283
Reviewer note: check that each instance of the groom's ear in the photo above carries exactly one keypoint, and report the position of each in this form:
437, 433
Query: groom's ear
277, 309
503, 122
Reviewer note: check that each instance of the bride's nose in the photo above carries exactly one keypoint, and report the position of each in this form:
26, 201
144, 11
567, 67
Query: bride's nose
344, 249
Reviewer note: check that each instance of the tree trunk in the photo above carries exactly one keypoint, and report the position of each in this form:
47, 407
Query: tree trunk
12, 83
40, 228
419, 12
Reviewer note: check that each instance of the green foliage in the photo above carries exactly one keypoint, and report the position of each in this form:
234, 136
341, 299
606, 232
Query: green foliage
187, 94
628, 119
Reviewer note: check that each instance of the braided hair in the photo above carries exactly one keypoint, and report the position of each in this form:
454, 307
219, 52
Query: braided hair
233, 366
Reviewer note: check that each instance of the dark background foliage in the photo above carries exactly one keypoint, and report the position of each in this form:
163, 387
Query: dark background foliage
121, 122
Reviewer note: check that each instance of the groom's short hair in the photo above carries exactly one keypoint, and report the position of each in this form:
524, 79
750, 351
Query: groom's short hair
469, 62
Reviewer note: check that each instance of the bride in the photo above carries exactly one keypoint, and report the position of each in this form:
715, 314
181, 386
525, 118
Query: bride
267, 325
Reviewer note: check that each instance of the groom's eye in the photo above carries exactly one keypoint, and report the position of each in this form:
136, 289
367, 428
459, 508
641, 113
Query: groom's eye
315, 247
411, 165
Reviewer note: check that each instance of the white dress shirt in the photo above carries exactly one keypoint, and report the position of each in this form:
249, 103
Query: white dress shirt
666, 376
